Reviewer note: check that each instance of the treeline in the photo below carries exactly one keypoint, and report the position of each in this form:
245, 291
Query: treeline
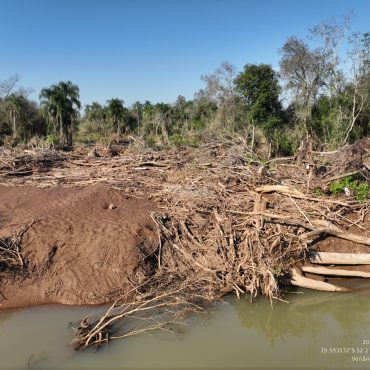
320, 93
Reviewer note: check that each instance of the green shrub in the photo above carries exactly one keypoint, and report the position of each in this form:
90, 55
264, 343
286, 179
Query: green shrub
361, 189
179, 140
151, 142
51, 139
319, 192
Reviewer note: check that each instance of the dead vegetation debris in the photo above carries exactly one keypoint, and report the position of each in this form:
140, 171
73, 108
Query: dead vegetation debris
230, 222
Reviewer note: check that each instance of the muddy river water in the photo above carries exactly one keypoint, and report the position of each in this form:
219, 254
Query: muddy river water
314, 330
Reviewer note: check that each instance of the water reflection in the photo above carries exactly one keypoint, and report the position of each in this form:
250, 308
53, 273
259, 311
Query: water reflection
309, 314
234, 336
5, 315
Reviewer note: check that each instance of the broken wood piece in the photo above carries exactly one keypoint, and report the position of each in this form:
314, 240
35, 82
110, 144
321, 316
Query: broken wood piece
93, 153
338, 177
339, 258
278, 189
323, 270
298, 279
335, 231
151, 164
339, 234
294, 193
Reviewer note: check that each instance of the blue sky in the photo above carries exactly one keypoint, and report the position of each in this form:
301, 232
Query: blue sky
150, 50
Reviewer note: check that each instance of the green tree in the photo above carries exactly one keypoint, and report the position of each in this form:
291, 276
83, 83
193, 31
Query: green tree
16, 105
163, 119
62, 103
258, 85
117, 113
95, 112
23, 117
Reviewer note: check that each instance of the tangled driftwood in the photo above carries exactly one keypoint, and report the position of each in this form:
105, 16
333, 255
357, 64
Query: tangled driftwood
223, 226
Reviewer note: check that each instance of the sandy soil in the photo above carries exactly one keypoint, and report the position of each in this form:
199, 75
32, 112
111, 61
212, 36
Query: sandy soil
84, 243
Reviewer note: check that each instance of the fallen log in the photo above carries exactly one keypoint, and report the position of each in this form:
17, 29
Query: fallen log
152, 164
331, 258
298, 279
335, 231
338, 177
339, 234
322, 270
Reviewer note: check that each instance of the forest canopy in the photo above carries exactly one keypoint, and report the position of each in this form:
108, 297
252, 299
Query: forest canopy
320, 93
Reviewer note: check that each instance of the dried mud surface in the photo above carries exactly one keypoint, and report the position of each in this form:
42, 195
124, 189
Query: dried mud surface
82, 243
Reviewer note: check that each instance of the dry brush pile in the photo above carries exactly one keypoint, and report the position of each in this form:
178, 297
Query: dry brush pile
227, 227
229, 223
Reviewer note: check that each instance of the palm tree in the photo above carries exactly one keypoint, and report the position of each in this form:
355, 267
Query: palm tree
138, 108
116, 112
62, 104
95, 112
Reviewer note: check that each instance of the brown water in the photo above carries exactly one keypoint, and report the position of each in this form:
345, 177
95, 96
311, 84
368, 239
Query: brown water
309, 332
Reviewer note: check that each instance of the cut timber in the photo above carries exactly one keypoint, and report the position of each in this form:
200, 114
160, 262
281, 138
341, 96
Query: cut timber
339, 258
339, 234
321, 270
279, 189
298, 279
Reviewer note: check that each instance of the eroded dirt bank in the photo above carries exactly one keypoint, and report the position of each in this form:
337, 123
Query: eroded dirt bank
227, 221
81, 243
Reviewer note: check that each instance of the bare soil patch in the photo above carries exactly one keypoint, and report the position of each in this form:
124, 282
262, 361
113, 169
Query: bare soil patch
82, 243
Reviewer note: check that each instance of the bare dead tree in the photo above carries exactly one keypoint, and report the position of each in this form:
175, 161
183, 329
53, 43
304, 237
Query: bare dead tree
305, 72
8, 86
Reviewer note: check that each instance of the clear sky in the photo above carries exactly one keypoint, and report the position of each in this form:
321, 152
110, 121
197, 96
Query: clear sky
150, 49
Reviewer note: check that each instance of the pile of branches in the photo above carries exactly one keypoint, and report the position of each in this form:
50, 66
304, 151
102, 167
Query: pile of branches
19, 163
11, 258
247, 238
10, 254
226, 228
154, 305
229, 223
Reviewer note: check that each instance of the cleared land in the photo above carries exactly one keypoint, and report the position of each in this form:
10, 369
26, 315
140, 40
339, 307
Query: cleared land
79, 229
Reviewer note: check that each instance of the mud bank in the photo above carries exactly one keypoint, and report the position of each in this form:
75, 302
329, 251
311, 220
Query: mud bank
78, 246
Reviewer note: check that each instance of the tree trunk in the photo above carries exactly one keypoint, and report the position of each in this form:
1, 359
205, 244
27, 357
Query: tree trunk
69, 133
61, 129
331, 258
298, 279
323, 270
164, 130
14, 118
118, 127
138, 123
253, 131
